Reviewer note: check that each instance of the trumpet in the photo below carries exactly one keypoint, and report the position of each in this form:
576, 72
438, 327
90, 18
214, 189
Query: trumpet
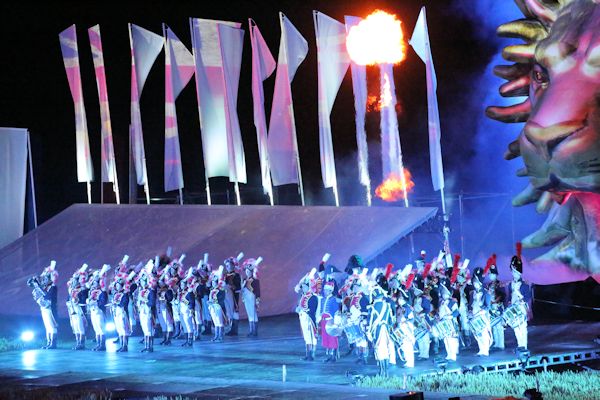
38, 293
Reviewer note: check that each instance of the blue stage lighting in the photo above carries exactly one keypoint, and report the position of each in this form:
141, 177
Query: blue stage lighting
27, 336
110, 327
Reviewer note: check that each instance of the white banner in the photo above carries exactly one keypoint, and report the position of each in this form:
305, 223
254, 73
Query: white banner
282, 141
13, 179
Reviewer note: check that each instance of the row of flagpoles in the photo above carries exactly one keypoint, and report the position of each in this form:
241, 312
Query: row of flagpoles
215, 61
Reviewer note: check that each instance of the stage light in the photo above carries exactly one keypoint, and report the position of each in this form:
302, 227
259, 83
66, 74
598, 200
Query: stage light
407, 396
110, 327
27, 336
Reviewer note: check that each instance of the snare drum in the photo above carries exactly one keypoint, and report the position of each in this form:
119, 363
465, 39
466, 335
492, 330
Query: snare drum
478, 322
444, 329
515, 315
354, 333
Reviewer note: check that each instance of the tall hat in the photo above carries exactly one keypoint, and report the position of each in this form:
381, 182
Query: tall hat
354, 262
478, 274
516, 263
51, 272
252, 265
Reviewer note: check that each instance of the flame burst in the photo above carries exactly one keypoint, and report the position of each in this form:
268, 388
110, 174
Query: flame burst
394, 188
377, 39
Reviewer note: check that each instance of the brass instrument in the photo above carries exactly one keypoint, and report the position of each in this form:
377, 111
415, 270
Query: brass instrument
38, 293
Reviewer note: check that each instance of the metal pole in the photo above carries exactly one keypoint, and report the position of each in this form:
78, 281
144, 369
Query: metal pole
180, 196
89, 192
368, 191
462, 235
31, 181
237, 193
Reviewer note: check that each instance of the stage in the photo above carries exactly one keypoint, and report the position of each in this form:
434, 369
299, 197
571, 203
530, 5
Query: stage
247, 367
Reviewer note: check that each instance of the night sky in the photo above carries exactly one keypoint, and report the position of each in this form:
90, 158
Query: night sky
35, 94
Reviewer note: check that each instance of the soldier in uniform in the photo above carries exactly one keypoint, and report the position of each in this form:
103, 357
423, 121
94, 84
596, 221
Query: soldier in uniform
307, 310
96, 303
120, 307
45, 294
448, 311
251, 294
358, 310
519, 295
78, 294
406, 328
216, 304
381, 320
186, 302
479, 304
146, 300
328, 309
233, 287
204, 272
423, 319
498, 298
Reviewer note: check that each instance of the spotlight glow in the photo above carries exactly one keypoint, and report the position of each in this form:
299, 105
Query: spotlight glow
110, 327
27, 336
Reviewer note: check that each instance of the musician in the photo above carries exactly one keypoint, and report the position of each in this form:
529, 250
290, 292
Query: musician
216, 304
198, 291
96, 303
164, 297
479, 305
328, 308
233, 288
498, 298
330, 272
446, 318
173, 270
120, 307
204, 270
146, 300
381, 320
78, 294
186, 302
354, 265
358, 310
45, 295
406, 329
307, 310
519, 295
423, 319
251, 294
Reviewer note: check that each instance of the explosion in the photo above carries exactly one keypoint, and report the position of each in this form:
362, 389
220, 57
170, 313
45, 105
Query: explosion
394, 188
377, 39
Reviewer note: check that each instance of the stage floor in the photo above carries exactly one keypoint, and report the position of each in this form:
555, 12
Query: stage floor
241, 367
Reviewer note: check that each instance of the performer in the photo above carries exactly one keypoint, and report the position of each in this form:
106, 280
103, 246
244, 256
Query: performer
146, 301
447, 327
78, 294
96, 302
120, 307
45, 295
498, 298
204, 271
381, 320
329, 308
198, 290
186, 307
216, 303
164, 311
233, 287
479, 304
307, 309
406, 329
423, 320
251, 294
519, 295
358, 312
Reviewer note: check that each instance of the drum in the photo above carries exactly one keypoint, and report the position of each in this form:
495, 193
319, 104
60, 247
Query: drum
334, 326
479, 322
354, 333
515, 315
443, 329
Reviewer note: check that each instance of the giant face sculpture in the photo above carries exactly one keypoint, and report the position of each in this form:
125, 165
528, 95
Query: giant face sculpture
558, 69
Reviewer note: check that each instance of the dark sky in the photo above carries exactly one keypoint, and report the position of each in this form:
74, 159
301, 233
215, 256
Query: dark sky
35, 92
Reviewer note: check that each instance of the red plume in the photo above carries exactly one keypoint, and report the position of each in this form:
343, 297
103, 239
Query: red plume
494, 259
488, 265
409, 280
388, 271
456, 260
426, 270
455, 268
519, 247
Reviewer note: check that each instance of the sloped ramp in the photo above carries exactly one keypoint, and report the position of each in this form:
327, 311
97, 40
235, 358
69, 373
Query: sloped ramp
291, 239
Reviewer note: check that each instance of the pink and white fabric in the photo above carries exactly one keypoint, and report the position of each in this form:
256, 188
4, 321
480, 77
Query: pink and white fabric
179, 69
420, 43
109, 172
332, 65
232, 44
359, 87
145, 48
70, 53
282, 141
263, 66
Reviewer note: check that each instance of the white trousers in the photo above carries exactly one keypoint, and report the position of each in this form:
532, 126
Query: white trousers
384, 347
498, 334
249, 300
186, 317
451, 345
423, 345
49, 321
308, 329
165, 319
146, 321
521, 334
216, 314
122, 324
77, 323
97, 317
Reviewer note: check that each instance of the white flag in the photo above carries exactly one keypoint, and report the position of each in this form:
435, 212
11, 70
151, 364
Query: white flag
333, 62
420, 43
282, 141
263, 66
179, 69
145, 48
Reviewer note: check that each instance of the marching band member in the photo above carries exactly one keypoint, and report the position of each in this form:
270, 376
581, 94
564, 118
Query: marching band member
146, 300
120, 307
328, 309
519, 295
498, 298
307, 309
459, 278
251, 293
173, 271
164, 297
381, 321
186, 302
447, 313
216, 303
76, 305
204, 272
406, 329
198, 291
479, 305
319, 281
233, 287
45, 295
96, 301
358, 310
422, 317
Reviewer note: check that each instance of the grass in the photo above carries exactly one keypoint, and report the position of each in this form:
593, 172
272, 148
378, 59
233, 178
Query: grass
553, 385
7, 344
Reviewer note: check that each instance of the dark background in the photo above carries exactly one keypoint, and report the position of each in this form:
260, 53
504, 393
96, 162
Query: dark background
35, 95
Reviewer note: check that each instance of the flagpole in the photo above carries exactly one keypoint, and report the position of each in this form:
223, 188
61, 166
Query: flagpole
115, 181
30, 158
89, 192
297, 153
180, 196
206, 179
146, 184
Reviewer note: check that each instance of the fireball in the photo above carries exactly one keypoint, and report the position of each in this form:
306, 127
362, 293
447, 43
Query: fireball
377, 39
394, 188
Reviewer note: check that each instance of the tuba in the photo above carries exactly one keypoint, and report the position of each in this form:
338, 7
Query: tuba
38, 293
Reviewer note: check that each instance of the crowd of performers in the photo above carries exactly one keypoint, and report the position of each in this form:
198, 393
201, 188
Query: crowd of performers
183, 302
403, 313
